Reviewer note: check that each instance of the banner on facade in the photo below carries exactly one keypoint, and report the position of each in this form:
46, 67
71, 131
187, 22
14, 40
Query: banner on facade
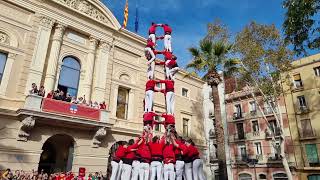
65, 108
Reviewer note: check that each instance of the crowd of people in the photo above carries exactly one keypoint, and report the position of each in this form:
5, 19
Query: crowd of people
35, 175
151, 157
62, 96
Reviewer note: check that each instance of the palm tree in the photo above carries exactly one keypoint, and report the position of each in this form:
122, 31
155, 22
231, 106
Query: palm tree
208, 59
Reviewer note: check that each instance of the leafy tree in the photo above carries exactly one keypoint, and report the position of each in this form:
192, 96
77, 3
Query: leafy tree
264, 57
301, 25
208, 59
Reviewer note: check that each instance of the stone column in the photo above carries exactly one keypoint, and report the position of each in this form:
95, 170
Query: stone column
131, 105
87, 85
54, 57
40, 52
115, 89
6, 73
100, 71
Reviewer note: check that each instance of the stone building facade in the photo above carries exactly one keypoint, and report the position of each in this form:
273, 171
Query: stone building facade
40, 40
301, 87
253, 156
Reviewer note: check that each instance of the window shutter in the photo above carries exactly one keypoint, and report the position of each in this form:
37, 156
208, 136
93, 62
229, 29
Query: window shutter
312, 153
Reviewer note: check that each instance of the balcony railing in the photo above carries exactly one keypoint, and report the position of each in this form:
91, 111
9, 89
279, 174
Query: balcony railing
253, 112
307, 134
313, 162
242, 158
239, 137
64, 110
276, 132
238, 116
303, 109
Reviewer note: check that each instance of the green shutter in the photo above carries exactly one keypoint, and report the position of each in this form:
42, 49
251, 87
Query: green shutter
312, 153
314, 177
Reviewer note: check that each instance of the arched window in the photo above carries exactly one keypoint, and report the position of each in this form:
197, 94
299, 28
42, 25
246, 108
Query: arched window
69, 76
280, 176
245, 176
262, 176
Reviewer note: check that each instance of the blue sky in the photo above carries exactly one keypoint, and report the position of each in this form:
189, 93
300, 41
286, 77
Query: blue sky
189, 18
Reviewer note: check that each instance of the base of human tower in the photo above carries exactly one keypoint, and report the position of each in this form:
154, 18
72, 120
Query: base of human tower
168, 156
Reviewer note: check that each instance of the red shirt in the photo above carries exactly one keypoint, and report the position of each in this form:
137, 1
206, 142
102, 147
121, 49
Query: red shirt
193, 152
167, 55
167, 29
156, 148
150, 85
150, 44
152, 29
169, 85
148, 116
49, 95
144, 152
129, 153
120, 153
168, 119
168, 154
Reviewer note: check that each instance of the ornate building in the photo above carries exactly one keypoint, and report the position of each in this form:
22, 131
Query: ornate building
77, 46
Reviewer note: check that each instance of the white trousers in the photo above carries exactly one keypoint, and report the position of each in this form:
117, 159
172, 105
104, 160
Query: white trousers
179, 169
188, 171
168, 172
197, 170
153, 38
172, 72
156, 170
144, 171
167, 42
126, 172
148, 101
135, 170
115, 173
170, 102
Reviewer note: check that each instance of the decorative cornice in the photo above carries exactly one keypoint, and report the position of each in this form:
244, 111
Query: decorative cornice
46, 22
93, 42
104, 45
86, 8
59, 30
4, 38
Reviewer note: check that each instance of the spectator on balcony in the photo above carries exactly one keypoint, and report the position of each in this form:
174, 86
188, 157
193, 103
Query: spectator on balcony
34, 89
74, 100
103, 105
41, 91
68, 98
56, 94
61, 96
50, 94
96, 105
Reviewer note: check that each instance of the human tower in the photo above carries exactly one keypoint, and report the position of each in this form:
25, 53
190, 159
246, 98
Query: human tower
152, 157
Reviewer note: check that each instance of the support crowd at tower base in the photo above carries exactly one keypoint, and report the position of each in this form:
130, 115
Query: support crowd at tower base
168, 157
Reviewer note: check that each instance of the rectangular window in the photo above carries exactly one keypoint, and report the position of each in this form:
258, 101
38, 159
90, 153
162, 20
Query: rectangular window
185, 123
237, 111
157, 127
317, 71
158, 85
3, 61
240, 131
255, 126
258, 148
302, 102
274, 128
122, 103
306, 126
297, 80
252, 107
243, 152
312, 154
184, 92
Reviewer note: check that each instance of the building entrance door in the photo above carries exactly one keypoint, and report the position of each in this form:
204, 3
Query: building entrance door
57, 154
